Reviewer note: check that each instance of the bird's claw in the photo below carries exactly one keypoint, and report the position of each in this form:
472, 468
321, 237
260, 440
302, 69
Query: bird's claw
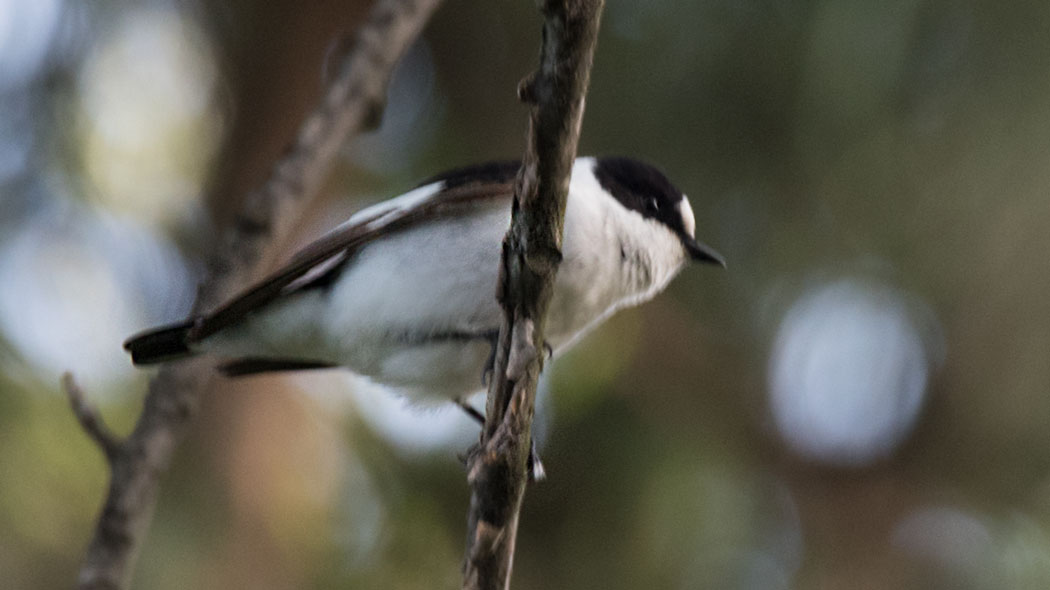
490, 362
535, 467
536, 470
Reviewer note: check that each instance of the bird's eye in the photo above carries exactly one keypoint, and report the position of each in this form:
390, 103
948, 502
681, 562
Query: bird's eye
653, 205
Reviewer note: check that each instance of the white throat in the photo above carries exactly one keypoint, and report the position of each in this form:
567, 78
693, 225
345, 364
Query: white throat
613, 257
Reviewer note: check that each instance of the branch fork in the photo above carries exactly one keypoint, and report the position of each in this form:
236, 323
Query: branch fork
90, 420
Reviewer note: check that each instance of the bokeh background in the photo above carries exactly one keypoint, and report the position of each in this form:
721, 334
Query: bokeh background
860, 401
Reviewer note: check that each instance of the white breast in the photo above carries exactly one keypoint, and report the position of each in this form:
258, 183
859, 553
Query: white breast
612, 258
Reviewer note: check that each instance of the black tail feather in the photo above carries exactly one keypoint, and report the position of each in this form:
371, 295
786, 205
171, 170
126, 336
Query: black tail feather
254, 366
159, 345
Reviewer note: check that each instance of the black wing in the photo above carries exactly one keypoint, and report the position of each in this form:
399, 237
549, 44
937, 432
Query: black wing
320, 263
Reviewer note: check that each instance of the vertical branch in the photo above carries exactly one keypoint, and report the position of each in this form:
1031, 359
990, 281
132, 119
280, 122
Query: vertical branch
353, 100
531, 254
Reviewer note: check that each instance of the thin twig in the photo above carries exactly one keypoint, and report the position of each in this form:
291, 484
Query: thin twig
352, 101
89, 418
497, 468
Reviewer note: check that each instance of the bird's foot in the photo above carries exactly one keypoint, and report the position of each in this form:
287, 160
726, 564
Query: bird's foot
490, 362
535, 467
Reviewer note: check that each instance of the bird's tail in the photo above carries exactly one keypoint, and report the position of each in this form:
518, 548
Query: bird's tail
160, 344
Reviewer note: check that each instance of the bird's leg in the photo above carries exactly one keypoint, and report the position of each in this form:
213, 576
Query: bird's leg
536, 470
469, 409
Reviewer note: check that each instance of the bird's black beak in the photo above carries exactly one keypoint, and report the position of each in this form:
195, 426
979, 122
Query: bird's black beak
702, 252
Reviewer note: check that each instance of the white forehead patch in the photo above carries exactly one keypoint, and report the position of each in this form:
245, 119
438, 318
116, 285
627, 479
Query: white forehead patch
688, 221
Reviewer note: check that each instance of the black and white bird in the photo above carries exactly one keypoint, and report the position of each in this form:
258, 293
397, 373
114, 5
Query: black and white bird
404, 291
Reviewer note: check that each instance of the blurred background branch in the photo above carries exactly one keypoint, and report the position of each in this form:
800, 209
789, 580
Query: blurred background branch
497, 468
353, 101
90, 420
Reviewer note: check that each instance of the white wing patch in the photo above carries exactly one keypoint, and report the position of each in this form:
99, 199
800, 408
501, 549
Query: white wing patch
316, 271
380, 214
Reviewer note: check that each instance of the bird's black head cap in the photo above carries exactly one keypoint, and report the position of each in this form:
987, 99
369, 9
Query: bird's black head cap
643, 188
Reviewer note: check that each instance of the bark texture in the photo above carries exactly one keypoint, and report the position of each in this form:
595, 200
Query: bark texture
353, 101
497, 467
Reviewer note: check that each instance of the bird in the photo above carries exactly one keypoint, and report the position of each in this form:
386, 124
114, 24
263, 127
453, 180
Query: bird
404, 292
